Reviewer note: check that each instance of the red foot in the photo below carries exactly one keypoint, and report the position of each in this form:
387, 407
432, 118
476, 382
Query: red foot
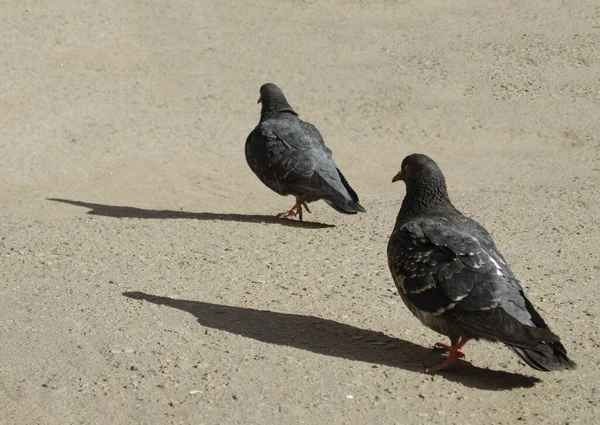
454, 354
449, 362
293, 212
296, 209
440, 346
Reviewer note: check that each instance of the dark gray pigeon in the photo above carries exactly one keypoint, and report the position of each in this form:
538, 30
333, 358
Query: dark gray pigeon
450, 275
289, 156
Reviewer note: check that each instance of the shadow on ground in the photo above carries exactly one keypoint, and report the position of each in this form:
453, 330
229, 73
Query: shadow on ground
132, 212
331, 338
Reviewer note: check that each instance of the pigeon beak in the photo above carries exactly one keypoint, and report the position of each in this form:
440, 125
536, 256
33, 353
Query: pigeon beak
259, 99
398, 176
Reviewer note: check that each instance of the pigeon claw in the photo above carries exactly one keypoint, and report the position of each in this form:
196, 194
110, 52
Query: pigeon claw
449, 362
455, 353
440, 346
296, 210
293, 212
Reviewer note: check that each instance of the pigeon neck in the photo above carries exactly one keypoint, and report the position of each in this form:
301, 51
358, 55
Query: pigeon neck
274, 107
425, 196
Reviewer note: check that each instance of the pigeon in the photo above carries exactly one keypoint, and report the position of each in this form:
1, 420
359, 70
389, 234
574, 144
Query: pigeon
452, 277
289, 156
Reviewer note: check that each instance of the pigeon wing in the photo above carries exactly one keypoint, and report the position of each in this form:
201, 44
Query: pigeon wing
437, 268
444, 270
300, 143
275, 162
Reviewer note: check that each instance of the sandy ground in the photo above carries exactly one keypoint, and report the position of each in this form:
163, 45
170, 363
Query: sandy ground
143, 278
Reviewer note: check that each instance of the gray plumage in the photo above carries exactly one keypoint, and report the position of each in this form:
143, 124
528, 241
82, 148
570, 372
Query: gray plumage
289, 156
450, 274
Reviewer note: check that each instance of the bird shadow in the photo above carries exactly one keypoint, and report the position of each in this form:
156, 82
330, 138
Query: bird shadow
132, 212
335, 339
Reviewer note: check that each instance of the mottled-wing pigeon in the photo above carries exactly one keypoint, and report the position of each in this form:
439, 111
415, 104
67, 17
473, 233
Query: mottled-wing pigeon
450, 275
289, 156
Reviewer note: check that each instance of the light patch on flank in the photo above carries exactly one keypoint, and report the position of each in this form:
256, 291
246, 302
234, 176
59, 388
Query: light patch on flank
400, 282
443, 309
423, 289
498, 269
461, 297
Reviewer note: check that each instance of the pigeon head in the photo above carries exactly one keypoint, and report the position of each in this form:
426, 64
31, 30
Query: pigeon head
417, 167
425, 184
273, 101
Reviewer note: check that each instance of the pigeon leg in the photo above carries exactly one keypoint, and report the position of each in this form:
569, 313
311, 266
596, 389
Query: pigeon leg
305, 205
300, 201
440, 346
453, 355
296, 210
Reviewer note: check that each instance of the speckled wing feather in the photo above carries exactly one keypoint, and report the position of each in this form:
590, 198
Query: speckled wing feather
444, 270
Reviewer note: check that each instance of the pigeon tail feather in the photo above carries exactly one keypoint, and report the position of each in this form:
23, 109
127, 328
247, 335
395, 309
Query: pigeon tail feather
546, 362
347, 207
351, 191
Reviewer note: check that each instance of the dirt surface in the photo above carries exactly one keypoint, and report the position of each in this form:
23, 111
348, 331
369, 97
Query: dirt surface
144, 279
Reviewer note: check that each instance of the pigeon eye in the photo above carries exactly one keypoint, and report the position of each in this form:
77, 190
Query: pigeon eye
406, 168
